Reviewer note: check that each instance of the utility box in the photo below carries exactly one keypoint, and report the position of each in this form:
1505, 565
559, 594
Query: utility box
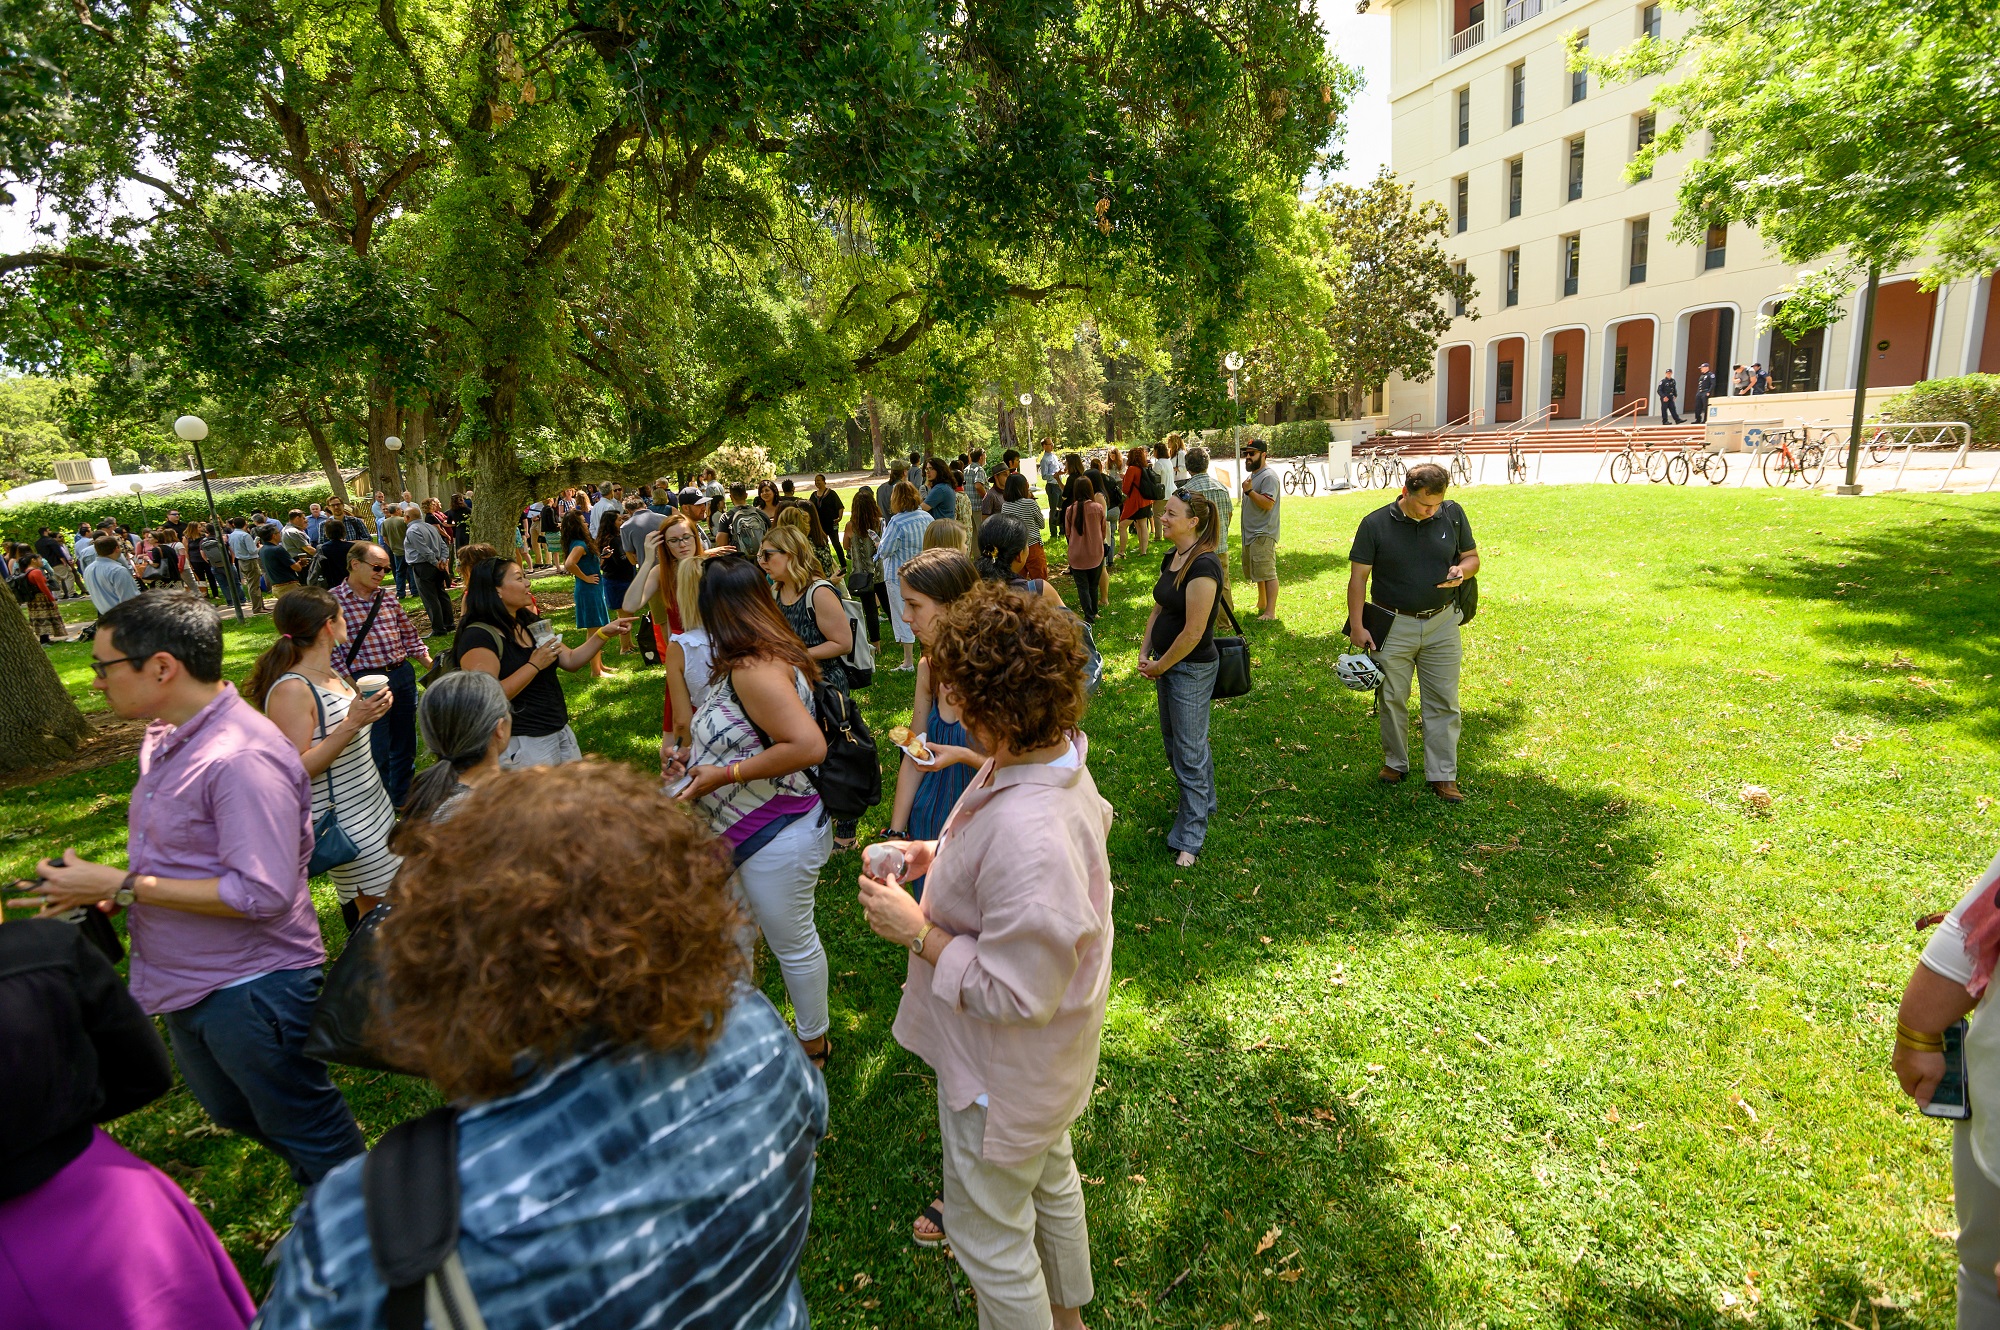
79, 474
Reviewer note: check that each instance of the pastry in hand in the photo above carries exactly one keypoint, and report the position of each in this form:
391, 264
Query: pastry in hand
899, 735
921, 751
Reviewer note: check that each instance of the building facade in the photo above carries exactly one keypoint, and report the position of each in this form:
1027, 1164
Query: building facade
1584, 299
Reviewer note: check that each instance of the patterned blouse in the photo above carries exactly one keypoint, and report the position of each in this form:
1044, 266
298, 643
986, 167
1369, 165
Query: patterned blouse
722, 734
659, 1189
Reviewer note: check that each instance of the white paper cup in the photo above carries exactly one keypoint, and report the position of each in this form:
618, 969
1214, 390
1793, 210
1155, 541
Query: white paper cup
370, 684
542, 631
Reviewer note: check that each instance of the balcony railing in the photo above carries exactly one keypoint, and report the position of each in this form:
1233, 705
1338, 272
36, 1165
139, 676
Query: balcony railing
1466, 38
1519, 11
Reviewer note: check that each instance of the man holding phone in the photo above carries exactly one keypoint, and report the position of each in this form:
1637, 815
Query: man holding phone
1419, 552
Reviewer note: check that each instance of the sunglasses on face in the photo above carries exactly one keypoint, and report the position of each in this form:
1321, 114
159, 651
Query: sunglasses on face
378, 567
767, 554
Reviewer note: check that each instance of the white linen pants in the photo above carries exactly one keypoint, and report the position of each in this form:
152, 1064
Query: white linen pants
777, 885
1018, 1230
1977, 1201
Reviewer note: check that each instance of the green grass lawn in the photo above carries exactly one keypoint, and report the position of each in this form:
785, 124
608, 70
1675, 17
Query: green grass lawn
1599, 1047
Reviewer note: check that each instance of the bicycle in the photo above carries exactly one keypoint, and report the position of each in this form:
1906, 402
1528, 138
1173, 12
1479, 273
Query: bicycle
1517, 463
1792, 454
1687, 462
1461, 466
1880, 446
1298, 479
1389, 463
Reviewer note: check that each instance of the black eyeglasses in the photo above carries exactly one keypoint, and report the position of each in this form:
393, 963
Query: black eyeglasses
98, 667
378, 567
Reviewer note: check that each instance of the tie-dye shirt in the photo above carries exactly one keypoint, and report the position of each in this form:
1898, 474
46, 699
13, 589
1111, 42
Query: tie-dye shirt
661, 1190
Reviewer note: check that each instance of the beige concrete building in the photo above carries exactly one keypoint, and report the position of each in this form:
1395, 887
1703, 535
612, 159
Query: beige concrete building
1583, 298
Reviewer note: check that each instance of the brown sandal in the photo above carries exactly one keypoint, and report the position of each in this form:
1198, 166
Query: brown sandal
820, 1058
933, 1215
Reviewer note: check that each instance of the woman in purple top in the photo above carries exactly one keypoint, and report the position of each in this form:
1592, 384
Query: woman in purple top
753, 738
90, 1234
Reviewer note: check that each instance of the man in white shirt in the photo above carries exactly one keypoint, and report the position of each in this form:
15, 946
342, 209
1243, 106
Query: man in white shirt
611, 500
243, 549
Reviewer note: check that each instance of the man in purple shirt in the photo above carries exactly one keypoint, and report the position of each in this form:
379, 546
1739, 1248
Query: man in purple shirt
225, 943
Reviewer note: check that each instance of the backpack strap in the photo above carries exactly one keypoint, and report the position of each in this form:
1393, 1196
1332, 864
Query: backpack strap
410, 1198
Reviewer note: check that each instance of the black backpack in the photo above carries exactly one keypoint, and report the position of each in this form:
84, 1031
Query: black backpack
849, 778
23, 589
1151, 487
410, 1205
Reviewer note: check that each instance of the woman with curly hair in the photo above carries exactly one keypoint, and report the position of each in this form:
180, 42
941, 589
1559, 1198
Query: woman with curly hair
1010, 956
564, 965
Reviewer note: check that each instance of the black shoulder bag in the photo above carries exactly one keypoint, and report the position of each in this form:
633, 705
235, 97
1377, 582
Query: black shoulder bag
1232, 660
367, 625
1468, 590
410, 1199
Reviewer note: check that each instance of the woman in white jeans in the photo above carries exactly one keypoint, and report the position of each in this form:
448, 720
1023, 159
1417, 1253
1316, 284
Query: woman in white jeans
753, 737
1950, 980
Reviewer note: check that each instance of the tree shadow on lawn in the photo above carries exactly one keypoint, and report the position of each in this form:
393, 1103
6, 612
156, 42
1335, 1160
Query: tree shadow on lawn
1192, 1151
1925, 588
1592, 1301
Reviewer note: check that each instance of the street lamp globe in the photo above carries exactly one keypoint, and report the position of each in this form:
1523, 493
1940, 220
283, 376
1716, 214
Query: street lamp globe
1027, 399
137, 488
393, 444
191, 429
1233, 361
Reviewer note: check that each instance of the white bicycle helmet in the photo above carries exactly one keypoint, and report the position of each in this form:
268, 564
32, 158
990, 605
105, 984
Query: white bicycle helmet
1359, 672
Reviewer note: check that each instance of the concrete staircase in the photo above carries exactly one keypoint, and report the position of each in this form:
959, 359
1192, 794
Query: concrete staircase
1587, 438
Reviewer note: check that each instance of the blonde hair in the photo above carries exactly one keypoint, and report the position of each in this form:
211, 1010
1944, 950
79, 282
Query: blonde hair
796, 546
947, 534
687, 591
904, 498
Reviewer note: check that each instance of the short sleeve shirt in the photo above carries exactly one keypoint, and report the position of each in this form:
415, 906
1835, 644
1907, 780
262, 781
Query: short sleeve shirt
1410, 558
1261, 521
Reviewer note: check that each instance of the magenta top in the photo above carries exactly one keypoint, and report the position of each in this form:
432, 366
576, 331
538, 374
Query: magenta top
223, 796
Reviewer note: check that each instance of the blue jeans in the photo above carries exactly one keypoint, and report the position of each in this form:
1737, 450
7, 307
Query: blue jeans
406, 583
392, 740
1184, 694
238, 1049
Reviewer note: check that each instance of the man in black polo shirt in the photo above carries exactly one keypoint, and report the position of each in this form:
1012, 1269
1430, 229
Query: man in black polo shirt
1419, 550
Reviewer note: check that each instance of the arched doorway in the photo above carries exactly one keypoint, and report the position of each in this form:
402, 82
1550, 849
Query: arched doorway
1988, 359
1900, 349
1632, 364
1711, 338
1457, 383
1794, 367
1510, 368
1566, 374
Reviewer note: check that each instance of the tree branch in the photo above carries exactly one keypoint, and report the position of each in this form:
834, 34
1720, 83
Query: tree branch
45, 259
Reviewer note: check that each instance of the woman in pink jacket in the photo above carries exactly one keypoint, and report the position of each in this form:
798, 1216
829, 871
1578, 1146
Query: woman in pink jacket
1010, 955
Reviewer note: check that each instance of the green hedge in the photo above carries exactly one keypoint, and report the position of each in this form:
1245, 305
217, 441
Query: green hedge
21, 521
1972, 398
1294, 438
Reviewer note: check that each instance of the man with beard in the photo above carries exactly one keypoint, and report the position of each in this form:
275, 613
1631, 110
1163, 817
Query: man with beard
1260, 528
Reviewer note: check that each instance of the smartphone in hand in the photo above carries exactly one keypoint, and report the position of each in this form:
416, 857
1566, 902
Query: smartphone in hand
1951, 1100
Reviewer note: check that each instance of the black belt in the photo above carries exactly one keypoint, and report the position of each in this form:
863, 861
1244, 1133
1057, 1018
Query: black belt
1418, 614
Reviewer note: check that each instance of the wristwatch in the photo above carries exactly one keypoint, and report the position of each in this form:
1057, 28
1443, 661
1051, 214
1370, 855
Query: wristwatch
917, 942
127, 890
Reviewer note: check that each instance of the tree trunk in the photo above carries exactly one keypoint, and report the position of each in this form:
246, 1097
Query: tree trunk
875, 431
39, 724
324, 447
499, 486
1853, 485
857, 442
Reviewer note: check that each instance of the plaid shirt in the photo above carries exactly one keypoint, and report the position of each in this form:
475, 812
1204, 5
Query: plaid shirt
393, 639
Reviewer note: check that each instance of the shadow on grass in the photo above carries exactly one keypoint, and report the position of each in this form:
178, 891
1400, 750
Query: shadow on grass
1192, 1151
1841, 1297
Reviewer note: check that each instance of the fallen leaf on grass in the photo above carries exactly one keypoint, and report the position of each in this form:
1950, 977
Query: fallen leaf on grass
1139, 1178
1611, 1113
1748, 1111
1756, 798
1761, 847
1983, 803
1291, 1276
1268, 1241
1473, 869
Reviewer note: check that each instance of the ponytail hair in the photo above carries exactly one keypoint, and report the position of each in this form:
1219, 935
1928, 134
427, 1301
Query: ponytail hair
299, 616
458, 717
1001, 541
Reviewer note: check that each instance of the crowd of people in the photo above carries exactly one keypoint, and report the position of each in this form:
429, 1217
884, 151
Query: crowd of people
566, 946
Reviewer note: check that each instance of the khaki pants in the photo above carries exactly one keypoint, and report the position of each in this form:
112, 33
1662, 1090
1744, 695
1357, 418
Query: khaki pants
1978, 1204
1430, 650
1018, 1229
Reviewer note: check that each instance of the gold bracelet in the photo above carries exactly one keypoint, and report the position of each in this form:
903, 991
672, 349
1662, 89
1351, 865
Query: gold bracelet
735, 779
1918, 1040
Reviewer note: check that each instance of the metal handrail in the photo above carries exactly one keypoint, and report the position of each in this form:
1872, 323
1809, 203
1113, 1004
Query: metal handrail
1466, 38
1636, 407
1409, 422
1519, 12
1470, 420
1541, 417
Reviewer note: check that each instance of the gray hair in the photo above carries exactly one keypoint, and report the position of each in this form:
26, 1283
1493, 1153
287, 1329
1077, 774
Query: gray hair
458, 717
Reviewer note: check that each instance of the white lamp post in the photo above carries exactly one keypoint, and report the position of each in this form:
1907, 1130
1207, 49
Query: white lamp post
139, 493
1027, 409
395, 447
192, 430
1234, 362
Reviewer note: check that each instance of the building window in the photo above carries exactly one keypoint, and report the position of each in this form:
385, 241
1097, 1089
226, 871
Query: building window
1649, 22
1641, 232
1464, 116
1464, 203
1715, 249
1514, 169
1510, 276
1576, 168
1517, 96
1559, 376
1644, 136
1572, 263
1619, 365
1503, 390
1375, 402
1579, 81
1458, 301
